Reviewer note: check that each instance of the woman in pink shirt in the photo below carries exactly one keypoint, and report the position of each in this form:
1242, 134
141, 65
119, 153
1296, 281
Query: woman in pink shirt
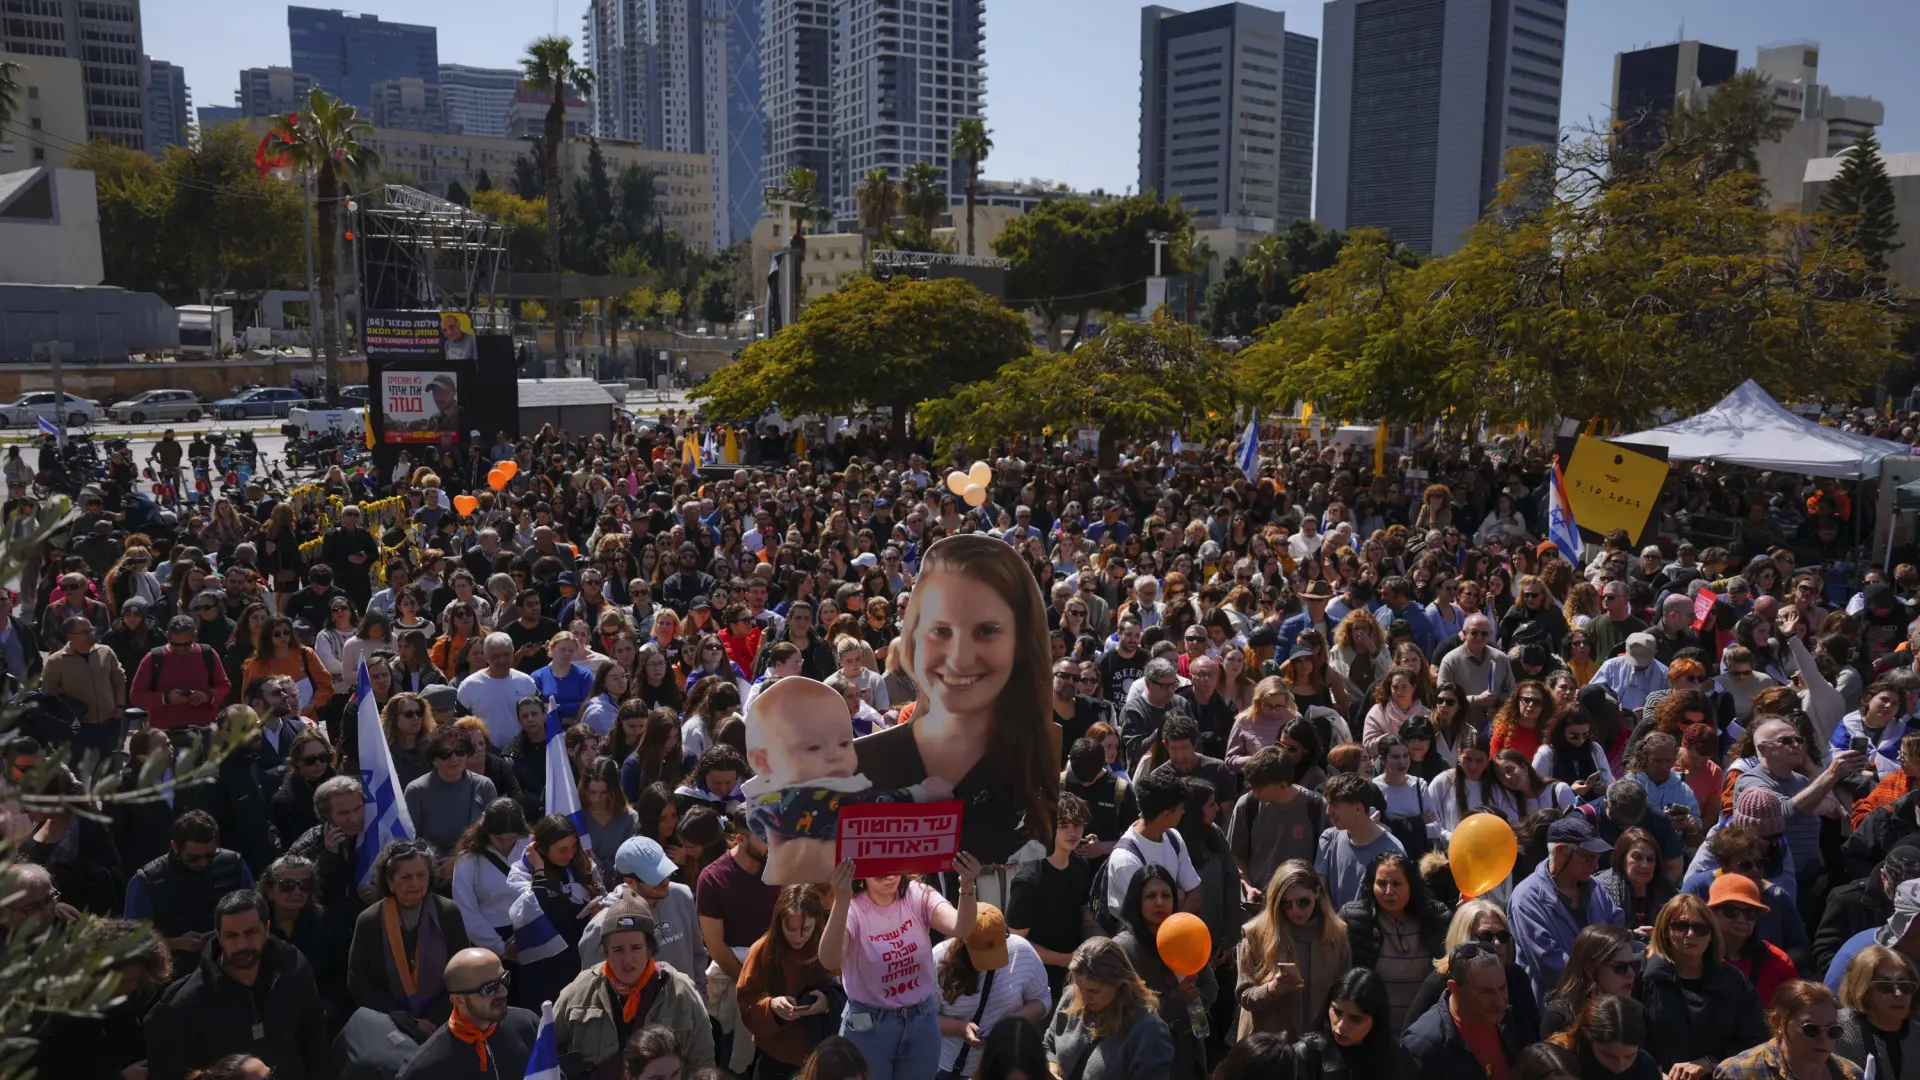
877, 940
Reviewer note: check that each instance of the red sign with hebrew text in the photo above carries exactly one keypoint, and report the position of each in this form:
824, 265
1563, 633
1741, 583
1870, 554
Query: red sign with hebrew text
899, 838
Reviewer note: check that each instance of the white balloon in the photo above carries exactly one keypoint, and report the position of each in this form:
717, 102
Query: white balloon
981, 473
975, 495
957, 481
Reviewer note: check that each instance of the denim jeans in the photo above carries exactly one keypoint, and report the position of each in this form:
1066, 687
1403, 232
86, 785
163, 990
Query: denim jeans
902, 1043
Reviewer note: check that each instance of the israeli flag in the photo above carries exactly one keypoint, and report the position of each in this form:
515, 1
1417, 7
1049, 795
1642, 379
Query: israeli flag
386, 807
1247, 457
544, 1062
1178, 449
562, 796
1561, 528
710, 449
48, 427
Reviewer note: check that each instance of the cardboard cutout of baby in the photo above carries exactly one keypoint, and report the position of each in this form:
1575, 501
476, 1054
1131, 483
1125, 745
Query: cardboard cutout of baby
800, 744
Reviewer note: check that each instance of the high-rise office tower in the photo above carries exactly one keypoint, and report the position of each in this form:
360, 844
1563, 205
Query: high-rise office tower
104, 35
272, 91
796, 89
905, 73
1226, 113
1647, 82
1419, 102
746, 135
169, 106
347, 54
410, 105
478, 98
662, 78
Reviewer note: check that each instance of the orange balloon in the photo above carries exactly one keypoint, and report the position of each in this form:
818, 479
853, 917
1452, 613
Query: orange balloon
497, 479
1481, 853
509, 468
466, 504
1185, 945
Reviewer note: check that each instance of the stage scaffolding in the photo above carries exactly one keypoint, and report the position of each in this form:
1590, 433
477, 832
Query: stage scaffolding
420, 252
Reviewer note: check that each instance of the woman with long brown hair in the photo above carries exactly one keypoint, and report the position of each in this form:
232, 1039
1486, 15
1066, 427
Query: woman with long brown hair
1522, 721
277, 651
788, 1001
1290, 954
1108, 1025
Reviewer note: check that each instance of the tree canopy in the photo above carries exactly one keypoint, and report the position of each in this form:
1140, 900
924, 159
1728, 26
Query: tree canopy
890, 344
1860, 201
1072, 258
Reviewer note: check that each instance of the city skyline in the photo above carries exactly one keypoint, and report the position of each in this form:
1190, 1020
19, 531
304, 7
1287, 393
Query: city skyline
1071, 113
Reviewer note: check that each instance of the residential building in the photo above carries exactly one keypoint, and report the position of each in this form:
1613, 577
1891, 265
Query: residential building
1823, 123
1648, 82
1903, 265
50, 123
904, 75
527, 114
347, 54
410, 105
272, 91
104, 35
1227, 112
477, 98
169, 106
796, 90
1420, 101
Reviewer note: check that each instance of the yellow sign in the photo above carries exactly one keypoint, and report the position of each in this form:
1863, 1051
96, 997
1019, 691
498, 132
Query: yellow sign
1612, 487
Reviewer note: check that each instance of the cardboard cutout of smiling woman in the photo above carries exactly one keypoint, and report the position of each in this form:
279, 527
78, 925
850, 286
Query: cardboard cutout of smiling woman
974, 639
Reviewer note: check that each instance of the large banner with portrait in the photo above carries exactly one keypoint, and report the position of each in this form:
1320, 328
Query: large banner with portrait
981, 738
415, 361
420, 406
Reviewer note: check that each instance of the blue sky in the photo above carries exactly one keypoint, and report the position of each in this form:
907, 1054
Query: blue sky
1064, 75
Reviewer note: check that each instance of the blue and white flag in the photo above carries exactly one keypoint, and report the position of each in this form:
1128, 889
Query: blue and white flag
544, 1062
1247, 456
1561, 528
386, 808
709, 448
1176, 446
48, 427
562, 796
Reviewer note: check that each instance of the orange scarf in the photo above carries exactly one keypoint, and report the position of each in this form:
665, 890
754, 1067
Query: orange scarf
409, 977
464, 1029
629, 998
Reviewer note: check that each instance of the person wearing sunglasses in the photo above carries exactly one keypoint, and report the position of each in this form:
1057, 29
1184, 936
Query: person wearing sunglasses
1606, 959
483, 1035
1740, 911
1700, 1009
1782, 750
1469, 1031
1804, 1020
1877, 999
309, 764
448, 798
295, 916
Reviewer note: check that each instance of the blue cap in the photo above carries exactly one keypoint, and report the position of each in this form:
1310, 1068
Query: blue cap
641, 857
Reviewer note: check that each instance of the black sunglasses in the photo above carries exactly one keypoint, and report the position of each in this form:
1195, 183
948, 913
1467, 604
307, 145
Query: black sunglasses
1814, 1031
311, 759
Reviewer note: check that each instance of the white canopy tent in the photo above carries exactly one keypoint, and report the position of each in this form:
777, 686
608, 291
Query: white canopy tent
1749, 428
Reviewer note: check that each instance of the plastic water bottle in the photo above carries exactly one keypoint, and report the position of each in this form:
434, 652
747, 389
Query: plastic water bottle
1197, 1017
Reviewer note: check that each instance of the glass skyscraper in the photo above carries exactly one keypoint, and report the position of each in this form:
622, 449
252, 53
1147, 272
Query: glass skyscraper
348, 54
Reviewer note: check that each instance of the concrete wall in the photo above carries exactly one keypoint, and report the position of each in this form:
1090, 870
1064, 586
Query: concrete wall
112, 382
63, 250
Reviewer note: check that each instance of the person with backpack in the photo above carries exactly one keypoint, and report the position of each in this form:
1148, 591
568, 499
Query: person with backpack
1152, 840
182, 683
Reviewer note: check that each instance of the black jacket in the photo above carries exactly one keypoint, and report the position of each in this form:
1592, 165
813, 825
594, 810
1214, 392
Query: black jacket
816, 659
88, 874
290, 811
367, 964
1720, 1021
1363, 931
682, 586
314, 609
92, 1047
324, 950
1850, 908
1885, 827
1433, 1041
206, 1016
239, 806
1523, 1012
508, 1049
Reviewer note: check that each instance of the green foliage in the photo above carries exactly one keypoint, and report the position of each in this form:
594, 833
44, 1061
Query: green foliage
549, 66
1259, 287
1657, 287
924, 195
1723, 134
1072, 258
916, 236
1859, 199
483, 182
527, 180
9, 90
457, 194
1134, 381
200, 218
714, 296
877, 198
871, 343
526, 222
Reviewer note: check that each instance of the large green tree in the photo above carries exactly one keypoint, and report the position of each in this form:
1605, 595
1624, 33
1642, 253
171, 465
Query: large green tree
549, 67
1072, 258
876, 199
890, 344
1259, 286
329, 141
1134, 381
1859, 199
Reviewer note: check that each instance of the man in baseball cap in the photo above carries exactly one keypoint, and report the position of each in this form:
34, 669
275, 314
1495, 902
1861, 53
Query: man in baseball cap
645, 874
1551, 904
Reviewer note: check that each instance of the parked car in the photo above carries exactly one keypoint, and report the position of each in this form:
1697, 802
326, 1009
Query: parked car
261, 401
353, 395
158, 405
27, 409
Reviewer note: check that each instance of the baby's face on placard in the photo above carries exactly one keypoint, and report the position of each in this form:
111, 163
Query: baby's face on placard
811, 743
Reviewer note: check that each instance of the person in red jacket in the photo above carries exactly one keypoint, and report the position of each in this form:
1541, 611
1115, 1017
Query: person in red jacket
740, 636
182, 683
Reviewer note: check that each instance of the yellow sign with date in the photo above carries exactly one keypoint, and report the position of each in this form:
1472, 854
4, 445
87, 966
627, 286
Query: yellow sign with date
1613, 487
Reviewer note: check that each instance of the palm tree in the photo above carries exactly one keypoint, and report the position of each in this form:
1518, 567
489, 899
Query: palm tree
549, 66
800, 185
926, 194
1264, 262
878, 198
326, 139
972, 140
9, 90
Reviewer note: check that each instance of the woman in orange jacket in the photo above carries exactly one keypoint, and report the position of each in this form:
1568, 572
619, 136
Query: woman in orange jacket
279, 652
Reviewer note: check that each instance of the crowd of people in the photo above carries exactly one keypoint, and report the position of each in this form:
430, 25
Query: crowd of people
1274, 699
